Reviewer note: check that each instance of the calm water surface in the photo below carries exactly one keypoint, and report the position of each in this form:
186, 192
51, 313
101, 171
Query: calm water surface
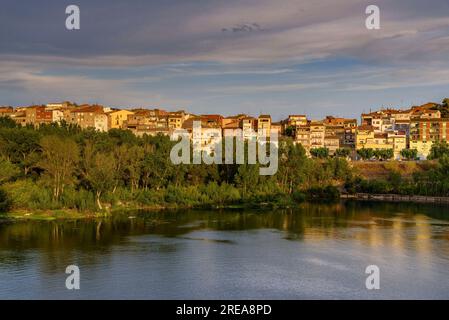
317, 251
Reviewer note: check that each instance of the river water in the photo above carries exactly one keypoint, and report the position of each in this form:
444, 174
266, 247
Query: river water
314, 252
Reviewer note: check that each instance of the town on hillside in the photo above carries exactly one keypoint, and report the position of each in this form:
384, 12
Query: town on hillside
392, 130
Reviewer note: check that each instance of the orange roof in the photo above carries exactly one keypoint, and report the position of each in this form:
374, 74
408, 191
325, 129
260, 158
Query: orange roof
88, 109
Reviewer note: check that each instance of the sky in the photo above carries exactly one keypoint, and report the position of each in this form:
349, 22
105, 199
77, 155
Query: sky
226, 56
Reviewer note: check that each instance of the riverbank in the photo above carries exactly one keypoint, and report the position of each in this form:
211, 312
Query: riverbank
395, 198
71, 214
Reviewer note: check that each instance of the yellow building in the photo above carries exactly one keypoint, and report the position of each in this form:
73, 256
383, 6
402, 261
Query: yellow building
264, 125
317, 134
399, 142
302, 136
175, 121
295, 120
367, 138
117, 117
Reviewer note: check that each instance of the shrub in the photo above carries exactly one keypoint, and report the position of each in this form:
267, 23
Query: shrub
5, 202
323, 193
27, 194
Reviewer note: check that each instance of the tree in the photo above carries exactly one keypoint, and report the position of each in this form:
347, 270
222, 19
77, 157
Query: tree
7, 122
438, 150
321, 153
384, 154
290, 131
20, 146
294, 166
366, 154
59, 159
409, 154
101, 175
247, 176
7, 170
343, 152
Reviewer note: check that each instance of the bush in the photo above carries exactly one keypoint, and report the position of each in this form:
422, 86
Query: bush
27, 194
323, 193
80, 200
150, 197
298, 196
5, 202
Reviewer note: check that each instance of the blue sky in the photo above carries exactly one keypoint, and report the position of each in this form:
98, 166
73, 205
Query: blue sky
226, 56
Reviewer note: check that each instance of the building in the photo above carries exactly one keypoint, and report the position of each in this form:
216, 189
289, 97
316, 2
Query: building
302, 136
399, 141
6, 111
57, 115
89, 117
206, 138
424, 132
317, 134
264, 125
249, 127
38, 115
368, 138
295, 120
116, 118
175, 121
332, 143
276, 127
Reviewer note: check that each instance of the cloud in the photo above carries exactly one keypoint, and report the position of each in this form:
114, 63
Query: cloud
175, 52
158, 32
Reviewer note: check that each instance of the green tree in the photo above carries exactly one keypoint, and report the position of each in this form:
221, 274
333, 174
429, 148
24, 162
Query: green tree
409, 154
8, 170
366, 153
100, 175
59, 160
294, 166
384, 154
438, 150
321, 153
247, 177
290, 131
343, 152
7, 122
20, 146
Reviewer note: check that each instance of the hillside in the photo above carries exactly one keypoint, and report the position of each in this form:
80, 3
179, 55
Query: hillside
381, 170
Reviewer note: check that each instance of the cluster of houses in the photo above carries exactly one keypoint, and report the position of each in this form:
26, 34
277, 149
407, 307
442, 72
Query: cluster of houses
415, 128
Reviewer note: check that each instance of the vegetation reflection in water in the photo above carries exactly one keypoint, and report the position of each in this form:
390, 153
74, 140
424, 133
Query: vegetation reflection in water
391, 228
310, 222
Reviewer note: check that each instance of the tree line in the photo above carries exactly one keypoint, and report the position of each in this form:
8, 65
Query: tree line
59, 166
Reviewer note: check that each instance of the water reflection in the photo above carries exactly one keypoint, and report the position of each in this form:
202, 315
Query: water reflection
390, 233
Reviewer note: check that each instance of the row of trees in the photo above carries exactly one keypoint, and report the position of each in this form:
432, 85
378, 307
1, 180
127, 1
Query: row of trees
62, 166
379, 154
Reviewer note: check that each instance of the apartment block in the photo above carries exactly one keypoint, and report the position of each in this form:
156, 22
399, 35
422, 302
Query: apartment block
424, 132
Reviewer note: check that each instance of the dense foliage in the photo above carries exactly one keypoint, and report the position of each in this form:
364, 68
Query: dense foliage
61, 166
431, 182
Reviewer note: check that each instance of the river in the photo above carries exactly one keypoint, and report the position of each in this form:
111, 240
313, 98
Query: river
319, 251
